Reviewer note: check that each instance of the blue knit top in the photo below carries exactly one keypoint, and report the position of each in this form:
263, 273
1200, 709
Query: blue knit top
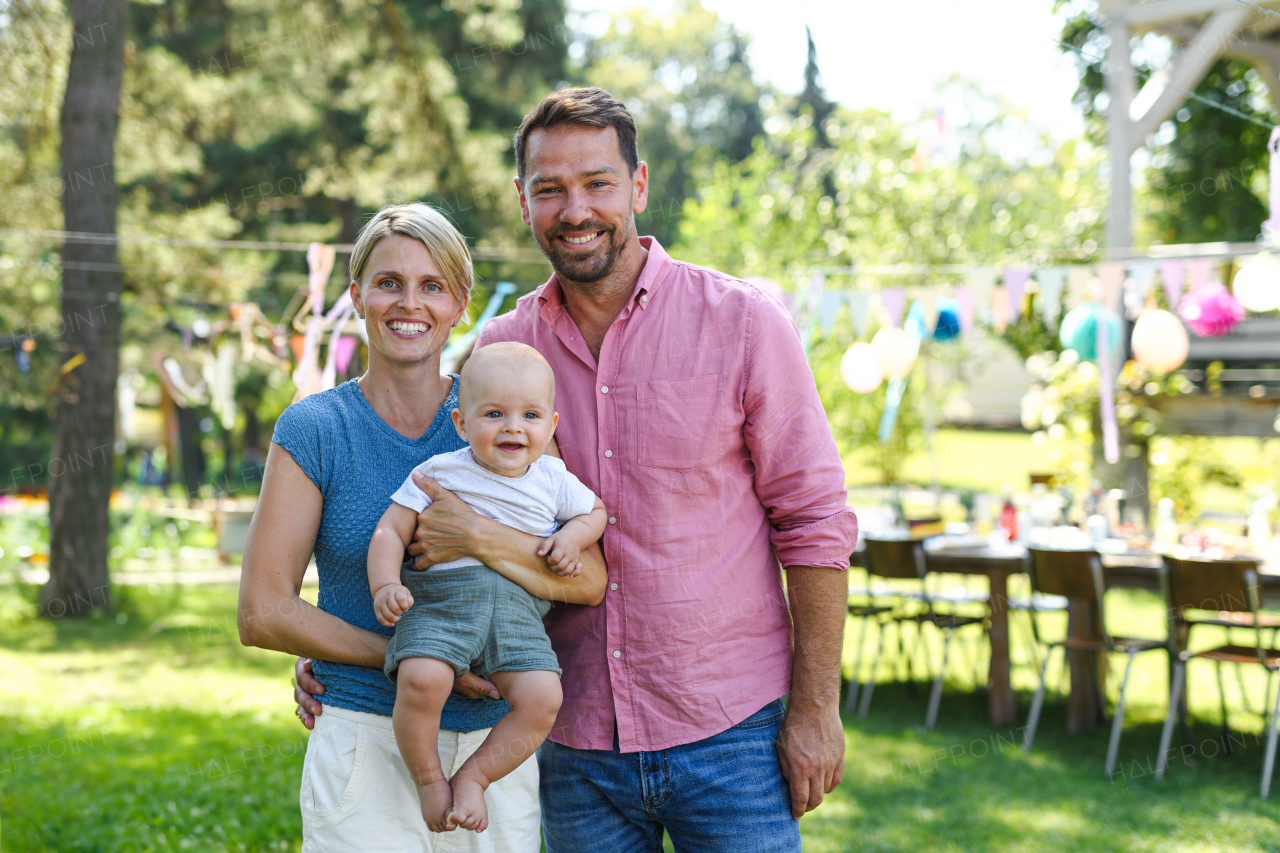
357, 461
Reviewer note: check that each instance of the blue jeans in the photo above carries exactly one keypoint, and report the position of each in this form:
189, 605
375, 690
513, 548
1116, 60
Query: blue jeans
723, 793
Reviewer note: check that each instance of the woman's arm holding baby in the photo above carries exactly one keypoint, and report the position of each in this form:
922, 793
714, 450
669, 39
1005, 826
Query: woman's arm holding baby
272, 613
449, 529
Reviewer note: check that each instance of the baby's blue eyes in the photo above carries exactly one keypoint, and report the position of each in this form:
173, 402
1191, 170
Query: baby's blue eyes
496, 414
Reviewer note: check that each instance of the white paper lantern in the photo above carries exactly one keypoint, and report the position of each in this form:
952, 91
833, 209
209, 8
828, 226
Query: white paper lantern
1257, 285
895, 351
860, 368
1159, 341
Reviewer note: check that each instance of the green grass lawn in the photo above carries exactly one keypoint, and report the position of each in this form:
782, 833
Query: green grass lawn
156, 730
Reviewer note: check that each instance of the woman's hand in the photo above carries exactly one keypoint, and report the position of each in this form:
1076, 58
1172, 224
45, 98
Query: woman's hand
304, 686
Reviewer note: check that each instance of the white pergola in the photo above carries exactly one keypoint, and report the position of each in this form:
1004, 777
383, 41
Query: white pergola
1204, 30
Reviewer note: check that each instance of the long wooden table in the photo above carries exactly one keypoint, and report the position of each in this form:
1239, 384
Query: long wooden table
1132, 569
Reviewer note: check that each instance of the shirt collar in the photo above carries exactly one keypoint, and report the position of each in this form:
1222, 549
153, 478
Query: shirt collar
656, 267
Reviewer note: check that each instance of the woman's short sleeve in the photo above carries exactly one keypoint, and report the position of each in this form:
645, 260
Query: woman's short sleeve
299, 431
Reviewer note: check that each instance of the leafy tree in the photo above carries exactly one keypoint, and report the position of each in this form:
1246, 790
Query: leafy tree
770, 215
83, 447
685, 77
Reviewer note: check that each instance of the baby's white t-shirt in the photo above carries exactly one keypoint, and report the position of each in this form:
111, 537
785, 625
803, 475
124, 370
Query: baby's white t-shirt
537, 502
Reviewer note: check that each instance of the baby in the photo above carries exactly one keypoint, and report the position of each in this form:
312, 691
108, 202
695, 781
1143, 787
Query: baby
462, 615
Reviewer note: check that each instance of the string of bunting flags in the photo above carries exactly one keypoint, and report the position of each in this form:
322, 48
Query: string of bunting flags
1085, 304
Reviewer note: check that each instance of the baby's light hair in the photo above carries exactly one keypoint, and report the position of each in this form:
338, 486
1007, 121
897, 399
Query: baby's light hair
494, 356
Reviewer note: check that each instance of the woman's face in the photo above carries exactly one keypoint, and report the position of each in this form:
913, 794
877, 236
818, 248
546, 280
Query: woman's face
407, 305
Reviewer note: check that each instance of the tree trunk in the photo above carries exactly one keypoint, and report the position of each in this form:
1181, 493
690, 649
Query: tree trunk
80, 470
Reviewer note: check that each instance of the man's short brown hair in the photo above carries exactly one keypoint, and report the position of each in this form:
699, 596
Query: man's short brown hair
584, 106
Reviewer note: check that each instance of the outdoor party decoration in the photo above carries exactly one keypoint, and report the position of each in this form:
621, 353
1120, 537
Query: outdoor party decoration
1079, 329
894, 300
948, 326
1160, 341
912, 333
1211, 311
1171, 272
1051, 281
1257, 284
860, 368
895, 351
1015, 283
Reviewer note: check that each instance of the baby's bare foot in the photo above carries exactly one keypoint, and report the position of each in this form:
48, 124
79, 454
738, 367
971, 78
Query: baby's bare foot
469, 810
437, 800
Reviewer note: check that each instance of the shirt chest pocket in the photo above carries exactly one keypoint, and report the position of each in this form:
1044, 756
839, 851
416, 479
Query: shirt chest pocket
683, 422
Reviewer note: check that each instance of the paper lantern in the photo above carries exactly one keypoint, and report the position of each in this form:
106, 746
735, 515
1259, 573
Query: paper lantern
895, 351
948, 325
1160, 341
1211, 311
1257, 285
1079, 330
860, 368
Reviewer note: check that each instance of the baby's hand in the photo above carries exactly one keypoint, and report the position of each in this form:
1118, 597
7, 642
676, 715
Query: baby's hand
390, 601
562, 555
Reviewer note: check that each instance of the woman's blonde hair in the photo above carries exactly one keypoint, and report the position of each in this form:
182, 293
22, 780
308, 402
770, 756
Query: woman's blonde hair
427, 225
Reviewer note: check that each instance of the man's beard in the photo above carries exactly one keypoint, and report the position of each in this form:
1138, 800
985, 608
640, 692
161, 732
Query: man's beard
586, 269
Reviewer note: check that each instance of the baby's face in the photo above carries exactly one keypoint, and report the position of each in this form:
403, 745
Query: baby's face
508, 418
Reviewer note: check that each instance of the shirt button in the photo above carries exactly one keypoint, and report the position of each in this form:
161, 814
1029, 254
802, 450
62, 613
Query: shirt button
613, 586
604, 389
608, 454
644, 298
613, 520
617, 654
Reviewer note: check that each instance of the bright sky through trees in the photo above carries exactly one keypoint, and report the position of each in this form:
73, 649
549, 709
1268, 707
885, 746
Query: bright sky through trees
890, 54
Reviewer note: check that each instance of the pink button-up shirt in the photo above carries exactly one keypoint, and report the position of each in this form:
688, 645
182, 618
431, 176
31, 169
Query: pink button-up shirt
701, 430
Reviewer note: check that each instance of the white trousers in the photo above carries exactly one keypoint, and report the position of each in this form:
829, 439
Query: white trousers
357, 795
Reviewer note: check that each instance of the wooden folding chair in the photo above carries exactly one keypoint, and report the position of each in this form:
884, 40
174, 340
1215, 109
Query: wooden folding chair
1077, 576
905, 559
1229, 590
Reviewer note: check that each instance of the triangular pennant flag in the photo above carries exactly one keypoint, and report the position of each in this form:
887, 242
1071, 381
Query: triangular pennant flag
964, 296
981, 280
1199, 271
345, 348
999, 309
1111, 275
894, 300
1015, 283
859, 310
831, 301
1078, 285
929, 308
1051, 280
1171, 275
1141, 273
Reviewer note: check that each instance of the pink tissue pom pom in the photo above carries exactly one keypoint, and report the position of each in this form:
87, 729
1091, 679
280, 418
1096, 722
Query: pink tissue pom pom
1211, 311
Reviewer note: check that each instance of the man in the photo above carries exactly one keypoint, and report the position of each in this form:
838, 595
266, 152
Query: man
686, 404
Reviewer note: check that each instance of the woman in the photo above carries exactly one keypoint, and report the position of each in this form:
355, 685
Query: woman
335, 459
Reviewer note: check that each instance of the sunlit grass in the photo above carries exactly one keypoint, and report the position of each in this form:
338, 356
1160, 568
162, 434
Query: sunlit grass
163, 733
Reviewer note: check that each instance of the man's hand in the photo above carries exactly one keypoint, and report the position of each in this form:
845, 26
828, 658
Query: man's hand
445, 528
304, 686
811, 753
811, 743
390, 602
469, 685
562, 554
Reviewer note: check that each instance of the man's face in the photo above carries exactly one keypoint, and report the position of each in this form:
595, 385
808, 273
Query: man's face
580, 199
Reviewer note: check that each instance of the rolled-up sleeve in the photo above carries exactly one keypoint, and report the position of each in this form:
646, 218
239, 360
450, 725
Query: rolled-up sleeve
798, 474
